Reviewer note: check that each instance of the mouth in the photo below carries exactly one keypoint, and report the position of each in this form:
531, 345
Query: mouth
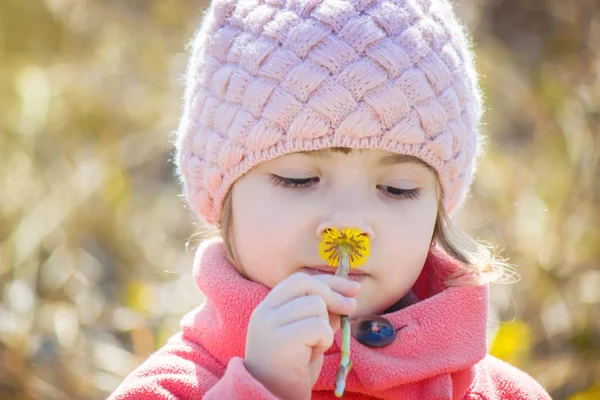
354, 274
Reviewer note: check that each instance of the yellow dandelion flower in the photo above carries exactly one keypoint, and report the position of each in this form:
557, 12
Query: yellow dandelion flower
344, 250
350, 241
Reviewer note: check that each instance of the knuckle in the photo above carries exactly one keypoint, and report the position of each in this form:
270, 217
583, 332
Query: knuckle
299, 276
269, 318
256, 318
318, 323
297, 281
324, 324
316, 302
257, 312
311, 284
325, 329
321, 285
263, 316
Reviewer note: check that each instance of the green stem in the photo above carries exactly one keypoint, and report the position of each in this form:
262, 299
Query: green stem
345, 362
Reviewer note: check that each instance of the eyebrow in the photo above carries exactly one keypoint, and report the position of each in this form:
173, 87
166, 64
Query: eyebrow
401, 159
392, 159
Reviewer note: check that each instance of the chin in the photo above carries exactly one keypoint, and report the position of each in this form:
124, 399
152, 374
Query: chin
362, 311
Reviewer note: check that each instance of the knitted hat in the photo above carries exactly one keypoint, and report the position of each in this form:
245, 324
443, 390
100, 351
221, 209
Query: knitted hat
272, 77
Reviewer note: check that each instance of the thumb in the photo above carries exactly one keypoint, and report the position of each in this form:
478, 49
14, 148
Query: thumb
314, 369
335, 322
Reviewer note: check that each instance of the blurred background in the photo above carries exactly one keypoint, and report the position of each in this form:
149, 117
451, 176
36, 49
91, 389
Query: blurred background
94, 270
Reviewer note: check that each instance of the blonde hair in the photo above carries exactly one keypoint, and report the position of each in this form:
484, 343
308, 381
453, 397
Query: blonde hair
480, 265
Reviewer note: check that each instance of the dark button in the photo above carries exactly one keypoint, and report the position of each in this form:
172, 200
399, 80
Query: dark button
374, 331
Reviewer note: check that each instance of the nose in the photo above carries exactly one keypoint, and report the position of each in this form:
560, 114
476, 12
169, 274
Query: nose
342, 218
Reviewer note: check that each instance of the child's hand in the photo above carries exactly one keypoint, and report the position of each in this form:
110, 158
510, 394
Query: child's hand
292, 328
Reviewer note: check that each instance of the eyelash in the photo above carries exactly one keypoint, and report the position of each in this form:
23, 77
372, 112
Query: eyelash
392, 192
293, 183
412, 194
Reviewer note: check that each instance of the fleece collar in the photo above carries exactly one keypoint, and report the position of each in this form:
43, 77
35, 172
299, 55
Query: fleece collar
439, 338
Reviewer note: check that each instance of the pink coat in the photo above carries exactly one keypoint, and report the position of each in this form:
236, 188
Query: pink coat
439, 352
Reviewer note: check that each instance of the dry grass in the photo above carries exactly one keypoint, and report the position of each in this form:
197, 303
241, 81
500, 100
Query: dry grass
94, 271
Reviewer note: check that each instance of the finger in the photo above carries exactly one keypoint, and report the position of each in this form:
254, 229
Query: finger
335, 322
311, 332
314, 368
294, 286
301, 308
339, 284
333, 302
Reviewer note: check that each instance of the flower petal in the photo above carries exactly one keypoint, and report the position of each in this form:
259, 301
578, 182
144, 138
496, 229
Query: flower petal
350, 241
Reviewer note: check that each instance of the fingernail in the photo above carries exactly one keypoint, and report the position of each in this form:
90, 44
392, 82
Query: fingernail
350, 301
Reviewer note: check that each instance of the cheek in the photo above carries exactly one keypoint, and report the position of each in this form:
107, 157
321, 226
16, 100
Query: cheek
249, 217
274, 212
263, 227
410, 231
260, 216
248, 236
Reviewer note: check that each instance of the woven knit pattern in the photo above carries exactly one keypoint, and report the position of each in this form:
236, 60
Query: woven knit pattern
271, 77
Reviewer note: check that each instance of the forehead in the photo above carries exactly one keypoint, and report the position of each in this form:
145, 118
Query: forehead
383, 157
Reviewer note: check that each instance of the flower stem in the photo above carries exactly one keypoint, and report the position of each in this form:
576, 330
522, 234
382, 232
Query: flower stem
345, 362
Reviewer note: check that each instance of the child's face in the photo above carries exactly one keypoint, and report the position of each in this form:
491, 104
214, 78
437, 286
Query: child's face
277, 223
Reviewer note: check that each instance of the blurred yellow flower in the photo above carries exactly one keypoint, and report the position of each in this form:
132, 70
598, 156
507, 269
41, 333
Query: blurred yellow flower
591, 393
350, 241
512, 342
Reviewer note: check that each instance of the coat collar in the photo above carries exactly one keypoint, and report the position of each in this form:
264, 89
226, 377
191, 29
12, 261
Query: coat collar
439, 338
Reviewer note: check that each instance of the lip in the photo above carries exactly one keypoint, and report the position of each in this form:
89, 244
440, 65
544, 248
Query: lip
354, 275
327, 269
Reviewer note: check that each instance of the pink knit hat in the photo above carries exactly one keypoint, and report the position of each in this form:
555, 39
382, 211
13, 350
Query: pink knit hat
272, 77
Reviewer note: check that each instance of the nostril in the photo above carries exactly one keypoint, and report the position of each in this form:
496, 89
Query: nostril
365, 233
326, 231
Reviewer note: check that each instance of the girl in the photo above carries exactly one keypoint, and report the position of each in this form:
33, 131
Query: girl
306, 115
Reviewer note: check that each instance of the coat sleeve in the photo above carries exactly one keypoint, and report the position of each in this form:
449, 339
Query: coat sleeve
184, 370
498, 380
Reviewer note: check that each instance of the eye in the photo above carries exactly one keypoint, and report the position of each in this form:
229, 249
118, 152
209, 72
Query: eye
398, 193
292, 182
